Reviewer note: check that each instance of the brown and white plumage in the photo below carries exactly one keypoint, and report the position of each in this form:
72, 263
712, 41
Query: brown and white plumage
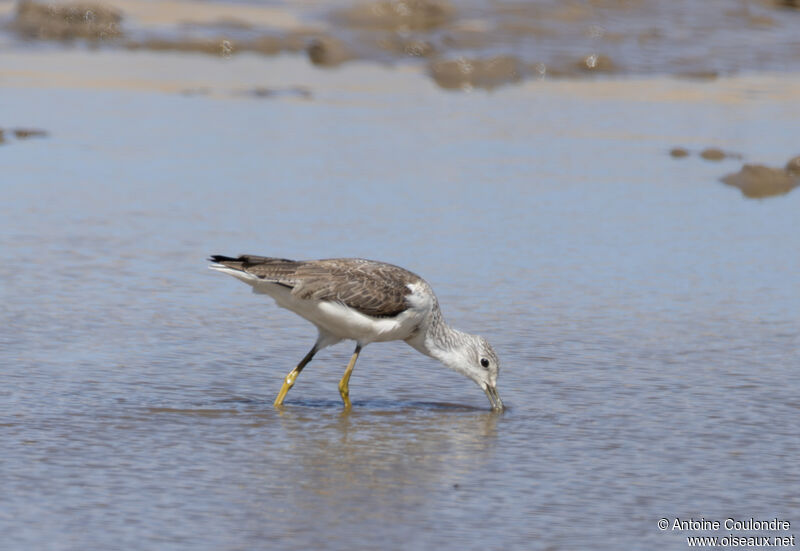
372, 288
365, 301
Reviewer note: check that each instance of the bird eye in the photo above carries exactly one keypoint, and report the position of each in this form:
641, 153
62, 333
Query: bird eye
484, 362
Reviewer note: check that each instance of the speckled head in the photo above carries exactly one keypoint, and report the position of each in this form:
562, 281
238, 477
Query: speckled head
474, 357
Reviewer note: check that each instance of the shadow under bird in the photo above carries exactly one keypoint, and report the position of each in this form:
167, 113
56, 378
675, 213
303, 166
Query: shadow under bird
365, 301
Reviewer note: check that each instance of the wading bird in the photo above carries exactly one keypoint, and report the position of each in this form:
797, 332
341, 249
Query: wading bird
365, 301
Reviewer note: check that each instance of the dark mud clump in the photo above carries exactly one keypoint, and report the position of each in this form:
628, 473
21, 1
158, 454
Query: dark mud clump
21, 134
397, 15
25, 133
759, 181
66, 21
709, 154
712, 154
261, 92
327, 51
700, 74
715, 154
460, 74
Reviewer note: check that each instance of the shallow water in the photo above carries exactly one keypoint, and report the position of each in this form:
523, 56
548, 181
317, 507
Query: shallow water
646, 315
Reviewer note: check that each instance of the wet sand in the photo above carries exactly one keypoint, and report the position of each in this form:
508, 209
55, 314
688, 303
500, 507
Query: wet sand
176, 72
460, 45
174, 12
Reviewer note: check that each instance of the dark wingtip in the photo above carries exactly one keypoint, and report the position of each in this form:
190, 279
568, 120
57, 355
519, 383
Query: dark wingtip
220, 258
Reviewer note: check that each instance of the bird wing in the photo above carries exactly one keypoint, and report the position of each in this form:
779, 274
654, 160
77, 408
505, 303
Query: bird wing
373, 288
276, 270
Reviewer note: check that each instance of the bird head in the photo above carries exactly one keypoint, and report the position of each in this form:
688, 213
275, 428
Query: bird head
476, 359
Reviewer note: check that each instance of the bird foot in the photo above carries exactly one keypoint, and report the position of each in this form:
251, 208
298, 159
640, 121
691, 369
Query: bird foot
344, 392
288, 383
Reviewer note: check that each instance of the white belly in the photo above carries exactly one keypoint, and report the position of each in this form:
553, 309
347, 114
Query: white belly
342, 322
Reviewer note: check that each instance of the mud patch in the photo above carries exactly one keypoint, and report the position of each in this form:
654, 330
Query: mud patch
397, 15
596, 63
709, 154
21, 134
25, 133
703, 75
465, 74
759, 181
261, 92
213, 46
712, 154
66, 21
715, 154
226, 44
328, 51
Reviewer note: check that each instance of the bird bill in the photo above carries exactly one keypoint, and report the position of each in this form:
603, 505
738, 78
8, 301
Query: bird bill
494, 398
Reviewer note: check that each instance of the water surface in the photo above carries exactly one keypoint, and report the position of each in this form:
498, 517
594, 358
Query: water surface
646, 315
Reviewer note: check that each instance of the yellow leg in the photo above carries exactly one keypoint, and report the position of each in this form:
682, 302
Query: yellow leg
288, 382
344, 384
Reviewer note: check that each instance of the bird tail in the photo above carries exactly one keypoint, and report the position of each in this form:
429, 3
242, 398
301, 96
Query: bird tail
237, 267
253, 269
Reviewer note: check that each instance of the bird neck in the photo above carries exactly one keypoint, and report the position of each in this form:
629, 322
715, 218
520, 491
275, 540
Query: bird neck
441, 341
